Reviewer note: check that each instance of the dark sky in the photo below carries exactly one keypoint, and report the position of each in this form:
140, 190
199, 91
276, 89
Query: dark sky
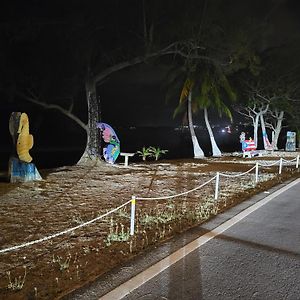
136, 96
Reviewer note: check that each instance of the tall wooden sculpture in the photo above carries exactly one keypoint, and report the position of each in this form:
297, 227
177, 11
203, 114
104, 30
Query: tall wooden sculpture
25, 140
21, 168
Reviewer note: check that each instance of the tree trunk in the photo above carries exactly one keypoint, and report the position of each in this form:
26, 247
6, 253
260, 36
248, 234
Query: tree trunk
267, 144
298, 137
255, 129
198, 152
215, 149
277, 130
92, 150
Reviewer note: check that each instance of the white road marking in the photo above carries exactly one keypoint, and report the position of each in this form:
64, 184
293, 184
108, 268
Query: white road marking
138, 280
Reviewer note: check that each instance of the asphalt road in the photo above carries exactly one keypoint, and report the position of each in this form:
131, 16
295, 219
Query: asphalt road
257, 258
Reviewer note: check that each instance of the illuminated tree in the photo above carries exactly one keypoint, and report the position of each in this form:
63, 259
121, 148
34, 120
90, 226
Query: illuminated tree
272, 95
204, 88
187, 96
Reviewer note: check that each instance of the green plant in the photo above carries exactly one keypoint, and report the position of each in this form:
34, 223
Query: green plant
144, 153
63, 264
116, 236
161, 218
123, 214
18, 283
157, 152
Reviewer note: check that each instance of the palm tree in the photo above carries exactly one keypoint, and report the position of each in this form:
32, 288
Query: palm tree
202, 89
186, 93
211, 88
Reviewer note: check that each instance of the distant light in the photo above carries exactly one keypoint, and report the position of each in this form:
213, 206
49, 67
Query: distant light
223, 130
228, 129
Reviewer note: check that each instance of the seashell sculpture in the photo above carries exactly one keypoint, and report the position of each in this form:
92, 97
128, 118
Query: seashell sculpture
25, 140
20, 167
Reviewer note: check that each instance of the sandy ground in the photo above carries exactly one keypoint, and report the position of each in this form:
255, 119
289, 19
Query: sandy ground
70, 196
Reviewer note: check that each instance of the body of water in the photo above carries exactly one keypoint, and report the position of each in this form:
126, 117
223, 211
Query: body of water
176, 140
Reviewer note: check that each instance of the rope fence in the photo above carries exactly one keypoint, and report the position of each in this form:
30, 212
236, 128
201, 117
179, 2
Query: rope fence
64, 231
271, 164
217, 186
177, 195
237, 175
281, 161
134, 199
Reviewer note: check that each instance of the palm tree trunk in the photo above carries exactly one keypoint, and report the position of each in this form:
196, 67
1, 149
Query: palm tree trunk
255, 129
198, 152
215, 149
267, 144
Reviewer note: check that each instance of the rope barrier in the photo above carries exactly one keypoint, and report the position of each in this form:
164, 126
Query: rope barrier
62, 232
290, 160
177, 195
237, 175
133, 200
269, 165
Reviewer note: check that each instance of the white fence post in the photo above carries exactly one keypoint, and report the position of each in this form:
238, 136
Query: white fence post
132, 215
297, 162
217, 186
280, 165
256, 173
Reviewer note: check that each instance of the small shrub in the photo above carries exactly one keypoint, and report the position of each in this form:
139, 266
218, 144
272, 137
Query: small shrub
151, 151
18, 283
117, 236
157, 152
63, 264
144, 153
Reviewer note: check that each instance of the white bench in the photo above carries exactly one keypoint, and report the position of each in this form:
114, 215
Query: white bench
126, 155
253, 153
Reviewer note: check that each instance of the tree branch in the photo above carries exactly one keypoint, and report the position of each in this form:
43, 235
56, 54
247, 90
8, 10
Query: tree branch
57, 107
170, 49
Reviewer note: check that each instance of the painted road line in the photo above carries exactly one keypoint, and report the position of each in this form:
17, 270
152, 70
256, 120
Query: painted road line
138, 280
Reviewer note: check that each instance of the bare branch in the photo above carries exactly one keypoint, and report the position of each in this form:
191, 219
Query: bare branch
245, 114
57, 107
176, 48
269, 125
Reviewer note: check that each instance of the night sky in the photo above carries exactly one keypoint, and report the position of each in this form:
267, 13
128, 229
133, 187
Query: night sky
47, 48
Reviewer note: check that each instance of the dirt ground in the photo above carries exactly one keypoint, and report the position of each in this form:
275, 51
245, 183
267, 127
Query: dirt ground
70, 196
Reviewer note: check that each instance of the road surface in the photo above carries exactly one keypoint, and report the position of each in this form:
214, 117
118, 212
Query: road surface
255, 256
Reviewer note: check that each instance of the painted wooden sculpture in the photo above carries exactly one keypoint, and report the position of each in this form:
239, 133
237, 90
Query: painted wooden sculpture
111, 150
21, 168
25, 140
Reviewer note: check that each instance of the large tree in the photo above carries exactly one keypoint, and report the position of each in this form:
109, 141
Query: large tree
57, 58
272, 94
205, 87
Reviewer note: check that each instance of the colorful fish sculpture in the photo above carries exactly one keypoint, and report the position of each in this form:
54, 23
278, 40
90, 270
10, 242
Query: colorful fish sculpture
111, 150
